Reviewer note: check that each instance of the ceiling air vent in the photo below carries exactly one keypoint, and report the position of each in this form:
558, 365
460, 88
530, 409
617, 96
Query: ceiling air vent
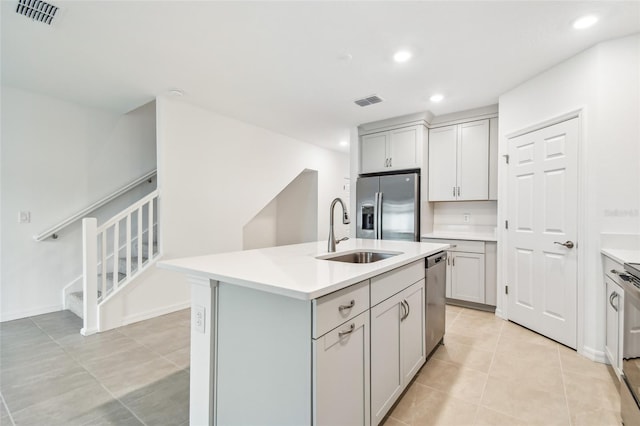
37, 10
369, 100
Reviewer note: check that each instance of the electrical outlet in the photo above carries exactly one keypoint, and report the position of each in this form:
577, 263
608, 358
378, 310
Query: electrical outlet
198, 318
24, 217
467, 217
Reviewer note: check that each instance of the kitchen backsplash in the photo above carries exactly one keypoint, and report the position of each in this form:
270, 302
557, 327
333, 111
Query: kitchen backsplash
480, 216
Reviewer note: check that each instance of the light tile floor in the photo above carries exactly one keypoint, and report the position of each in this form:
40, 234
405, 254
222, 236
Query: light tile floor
490, 372
494, 372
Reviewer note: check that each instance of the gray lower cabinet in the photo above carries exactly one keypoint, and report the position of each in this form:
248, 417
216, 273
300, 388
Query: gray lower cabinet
320, 362
471, 270
397, 345
341, 374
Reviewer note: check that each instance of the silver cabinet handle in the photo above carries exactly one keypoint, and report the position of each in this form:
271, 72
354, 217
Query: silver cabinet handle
391, 162
454, 191
406, 308
448, 261
453, 261
349, 306
613, 296
349, 331
567, 244
458, 191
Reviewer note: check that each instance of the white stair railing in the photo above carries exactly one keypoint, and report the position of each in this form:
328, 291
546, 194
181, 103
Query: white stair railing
131, 233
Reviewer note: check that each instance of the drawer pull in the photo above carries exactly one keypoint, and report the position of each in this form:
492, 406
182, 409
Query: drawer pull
349, 331
349, 306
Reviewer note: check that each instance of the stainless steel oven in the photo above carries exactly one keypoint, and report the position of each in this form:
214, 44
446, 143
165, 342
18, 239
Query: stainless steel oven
629, 280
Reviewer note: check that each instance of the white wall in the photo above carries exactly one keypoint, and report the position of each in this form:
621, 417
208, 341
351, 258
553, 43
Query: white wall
297, 218
58, 158
290, 218
604, 82
262, 230
216, 173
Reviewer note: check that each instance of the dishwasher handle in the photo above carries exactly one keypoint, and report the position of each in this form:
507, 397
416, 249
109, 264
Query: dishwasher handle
435, 259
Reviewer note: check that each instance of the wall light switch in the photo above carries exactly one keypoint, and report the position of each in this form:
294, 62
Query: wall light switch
467, 217
198, 318
24, 217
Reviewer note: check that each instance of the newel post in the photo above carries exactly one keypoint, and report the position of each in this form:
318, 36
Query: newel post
90, 275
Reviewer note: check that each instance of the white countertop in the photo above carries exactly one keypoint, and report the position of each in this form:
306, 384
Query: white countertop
471, 236
294, 271
622, 256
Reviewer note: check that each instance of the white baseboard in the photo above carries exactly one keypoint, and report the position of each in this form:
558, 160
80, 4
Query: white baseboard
130, 319
10, 316
593, 355
501, 314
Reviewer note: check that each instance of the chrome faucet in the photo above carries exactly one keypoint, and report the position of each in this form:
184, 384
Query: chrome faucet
345, 220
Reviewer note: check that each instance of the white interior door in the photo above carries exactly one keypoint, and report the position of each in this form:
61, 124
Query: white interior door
542, 212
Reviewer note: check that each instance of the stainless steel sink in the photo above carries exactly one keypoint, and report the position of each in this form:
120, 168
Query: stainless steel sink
360, 256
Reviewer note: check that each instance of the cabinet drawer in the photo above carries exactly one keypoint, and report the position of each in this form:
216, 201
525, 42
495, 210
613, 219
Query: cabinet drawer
608, 264
386, 285
459, 245
333, 309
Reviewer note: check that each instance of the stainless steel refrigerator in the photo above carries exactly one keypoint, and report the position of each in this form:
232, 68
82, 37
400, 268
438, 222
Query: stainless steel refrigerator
388, 207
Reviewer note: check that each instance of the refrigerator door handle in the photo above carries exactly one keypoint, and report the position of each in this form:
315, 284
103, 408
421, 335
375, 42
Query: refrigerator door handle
375, 216
379, 216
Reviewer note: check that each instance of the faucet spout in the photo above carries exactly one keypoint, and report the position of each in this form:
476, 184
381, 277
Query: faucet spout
345, 219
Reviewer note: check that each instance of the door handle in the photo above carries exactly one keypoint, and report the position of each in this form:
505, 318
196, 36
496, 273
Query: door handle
567, 244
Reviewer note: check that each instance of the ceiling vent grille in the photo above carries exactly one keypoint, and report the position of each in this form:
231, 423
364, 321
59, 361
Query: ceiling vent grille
369, 100
37, 10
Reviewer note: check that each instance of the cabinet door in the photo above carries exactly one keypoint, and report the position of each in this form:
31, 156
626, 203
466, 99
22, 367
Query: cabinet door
493, 159
403, 148
448, 275
412, 331
442, 163
386, 374
373, 152
467, 277
612, 345
473, 161
341, 375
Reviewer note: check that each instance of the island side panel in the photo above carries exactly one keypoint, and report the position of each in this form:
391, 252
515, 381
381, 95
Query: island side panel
264, 358
202, 393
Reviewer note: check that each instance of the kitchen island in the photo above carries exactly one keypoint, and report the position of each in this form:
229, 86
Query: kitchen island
284, 336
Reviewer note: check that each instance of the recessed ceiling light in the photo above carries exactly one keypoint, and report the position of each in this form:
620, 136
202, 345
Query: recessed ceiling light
344, 143
585, 22
402, 56
436, 98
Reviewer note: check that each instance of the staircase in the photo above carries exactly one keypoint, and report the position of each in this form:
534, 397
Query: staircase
114, 254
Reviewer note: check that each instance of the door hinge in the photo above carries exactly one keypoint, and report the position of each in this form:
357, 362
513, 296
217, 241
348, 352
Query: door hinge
506, 158
506, 289
506, 224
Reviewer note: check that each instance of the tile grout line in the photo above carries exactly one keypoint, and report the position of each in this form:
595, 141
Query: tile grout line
6, 407
564, 385
91, 374
484, 388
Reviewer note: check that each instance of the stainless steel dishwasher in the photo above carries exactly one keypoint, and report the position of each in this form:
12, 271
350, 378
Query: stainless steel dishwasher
435, 316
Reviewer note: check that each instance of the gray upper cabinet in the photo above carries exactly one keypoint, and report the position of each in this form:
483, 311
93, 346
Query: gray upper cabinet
459, 162
396, 149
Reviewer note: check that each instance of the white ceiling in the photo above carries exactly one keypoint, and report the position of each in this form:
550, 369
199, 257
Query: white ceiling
282, 65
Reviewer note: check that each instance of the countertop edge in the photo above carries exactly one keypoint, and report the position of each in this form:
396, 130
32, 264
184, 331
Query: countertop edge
385, 266
622, 256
